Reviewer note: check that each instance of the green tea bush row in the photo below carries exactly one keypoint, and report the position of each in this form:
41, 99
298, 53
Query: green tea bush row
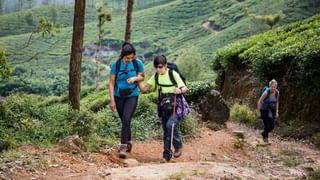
291, 50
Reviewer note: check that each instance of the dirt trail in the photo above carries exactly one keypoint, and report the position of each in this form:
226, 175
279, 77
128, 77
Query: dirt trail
212, 155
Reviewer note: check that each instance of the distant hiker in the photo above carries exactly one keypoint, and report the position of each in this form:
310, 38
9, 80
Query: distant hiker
268, 105
172, 106
126, 72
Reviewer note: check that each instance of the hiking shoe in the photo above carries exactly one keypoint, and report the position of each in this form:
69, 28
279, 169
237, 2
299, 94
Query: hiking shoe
177, 152
167, 157
266, 140
123, 151
129, 146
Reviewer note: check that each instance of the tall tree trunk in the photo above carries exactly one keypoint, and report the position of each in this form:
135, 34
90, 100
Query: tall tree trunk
98, 55
127, 36
76, 54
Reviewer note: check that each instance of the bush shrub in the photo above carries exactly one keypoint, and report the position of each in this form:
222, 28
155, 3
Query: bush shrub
242, 113
197, 90
189, 127
39, 120
146, 123
291, 49
25, 119
316, 140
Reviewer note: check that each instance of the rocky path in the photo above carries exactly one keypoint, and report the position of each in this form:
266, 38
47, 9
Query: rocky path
213, 155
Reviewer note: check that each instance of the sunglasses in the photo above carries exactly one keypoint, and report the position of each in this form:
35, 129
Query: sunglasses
159, 67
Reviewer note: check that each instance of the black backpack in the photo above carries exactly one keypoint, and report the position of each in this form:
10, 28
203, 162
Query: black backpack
172, 67
135, 65
136, 68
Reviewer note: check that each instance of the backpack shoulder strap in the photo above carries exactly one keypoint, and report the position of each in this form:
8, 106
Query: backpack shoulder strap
158, 85
276, 94
268, 92
135, 65
174, 82
118, 63
264, 89
136, 68
156, 78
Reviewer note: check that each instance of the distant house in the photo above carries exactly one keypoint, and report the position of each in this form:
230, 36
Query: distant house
91, 51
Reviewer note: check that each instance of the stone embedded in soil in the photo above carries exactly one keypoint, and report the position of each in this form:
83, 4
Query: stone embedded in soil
239, 134
130, 162
72, 144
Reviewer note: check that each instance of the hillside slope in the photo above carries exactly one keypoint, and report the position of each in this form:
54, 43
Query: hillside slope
167, 28
290, 54
26, 21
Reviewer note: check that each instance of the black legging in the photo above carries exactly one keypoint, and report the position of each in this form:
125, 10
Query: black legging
268, 122
126, 107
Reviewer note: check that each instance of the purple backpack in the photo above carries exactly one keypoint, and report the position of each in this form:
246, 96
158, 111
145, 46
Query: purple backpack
183, 108
166, 104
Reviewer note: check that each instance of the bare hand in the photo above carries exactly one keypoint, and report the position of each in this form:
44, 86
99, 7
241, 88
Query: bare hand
177, 91
258, 113
131, 80
112, 106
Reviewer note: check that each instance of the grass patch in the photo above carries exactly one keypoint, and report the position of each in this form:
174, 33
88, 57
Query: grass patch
315, 175
190, 127
291, 161
19, 158
290, 157
178, 176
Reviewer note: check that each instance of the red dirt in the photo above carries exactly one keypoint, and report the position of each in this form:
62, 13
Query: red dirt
213, 152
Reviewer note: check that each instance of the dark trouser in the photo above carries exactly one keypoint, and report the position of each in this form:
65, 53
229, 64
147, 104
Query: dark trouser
167, 121
126, 107
268, 121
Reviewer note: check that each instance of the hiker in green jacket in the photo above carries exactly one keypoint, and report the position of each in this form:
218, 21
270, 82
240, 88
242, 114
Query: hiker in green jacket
168, 92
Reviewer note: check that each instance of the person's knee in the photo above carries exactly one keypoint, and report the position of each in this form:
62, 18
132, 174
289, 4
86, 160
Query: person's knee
169, 125
125, 123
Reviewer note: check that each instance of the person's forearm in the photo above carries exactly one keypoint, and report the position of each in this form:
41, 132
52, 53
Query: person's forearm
139, 78
258, 105
145, 88
111, 91
261, 99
